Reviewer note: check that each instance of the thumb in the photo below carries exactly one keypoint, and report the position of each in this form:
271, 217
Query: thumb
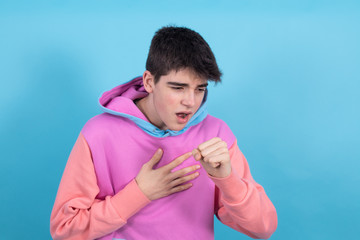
155, 158
196, 154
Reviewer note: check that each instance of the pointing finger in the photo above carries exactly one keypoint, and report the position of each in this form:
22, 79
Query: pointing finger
177, 161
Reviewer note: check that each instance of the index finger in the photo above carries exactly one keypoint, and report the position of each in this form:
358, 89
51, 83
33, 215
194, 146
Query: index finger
177, 161
209, 143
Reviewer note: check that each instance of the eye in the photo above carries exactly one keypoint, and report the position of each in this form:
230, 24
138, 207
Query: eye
177, 88
201, 89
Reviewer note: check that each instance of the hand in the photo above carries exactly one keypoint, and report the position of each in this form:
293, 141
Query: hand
214, 157
161, 182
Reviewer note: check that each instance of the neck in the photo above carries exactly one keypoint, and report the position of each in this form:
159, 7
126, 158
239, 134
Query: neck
146, 108
140, 104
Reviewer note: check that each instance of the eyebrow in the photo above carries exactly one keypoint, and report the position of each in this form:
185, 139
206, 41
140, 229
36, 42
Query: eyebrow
185, 84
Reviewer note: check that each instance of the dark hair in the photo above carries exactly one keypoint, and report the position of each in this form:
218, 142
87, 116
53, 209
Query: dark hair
176, 48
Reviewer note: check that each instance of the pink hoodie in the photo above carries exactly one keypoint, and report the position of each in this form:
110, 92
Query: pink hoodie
98, 197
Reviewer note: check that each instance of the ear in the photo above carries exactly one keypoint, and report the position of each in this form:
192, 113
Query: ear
148, 81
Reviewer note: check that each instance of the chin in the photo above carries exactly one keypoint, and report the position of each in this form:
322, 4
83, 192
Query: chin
177, 128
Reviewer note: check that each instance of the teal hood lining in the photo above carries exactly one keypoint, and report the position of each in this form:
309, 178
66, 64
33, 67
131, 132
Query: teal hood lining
146, 126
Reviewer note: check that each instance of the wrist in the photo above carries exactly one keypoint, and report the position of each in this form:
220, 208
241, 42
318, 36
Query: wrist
221, 174
138, 182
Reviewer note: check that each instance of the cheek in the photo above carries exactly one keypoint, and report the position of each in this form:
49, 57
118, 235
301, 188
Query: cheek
199, 100
170, 100
166, 103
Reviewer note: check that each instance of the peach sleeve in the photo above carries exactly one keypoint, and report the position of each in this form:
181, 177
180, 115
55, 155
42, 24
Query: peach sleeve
241, 203
77, 214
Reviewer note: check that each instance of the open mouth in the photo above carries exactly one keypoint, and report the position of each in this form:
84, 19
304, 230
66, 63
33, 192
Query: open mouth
182, 115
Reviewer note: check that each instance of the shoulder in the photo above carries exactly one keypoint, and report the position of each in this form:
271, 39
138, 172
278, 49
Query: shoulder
102, 125
220, 129
97, 123
216, 124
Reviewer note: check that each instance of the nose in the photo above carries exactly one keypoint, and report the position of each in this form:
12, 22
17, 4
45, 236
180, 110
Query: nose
188, 99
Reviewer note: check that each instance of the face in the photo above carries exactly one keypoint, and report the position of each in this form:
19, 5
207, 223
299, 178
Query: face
174, 99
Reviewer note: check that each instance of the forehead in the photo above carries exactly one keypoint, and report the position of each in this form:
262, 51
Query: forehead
184, 76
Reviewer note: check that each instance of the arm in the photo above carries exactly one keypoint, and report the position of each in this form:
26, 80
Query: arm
77, 214
241, 203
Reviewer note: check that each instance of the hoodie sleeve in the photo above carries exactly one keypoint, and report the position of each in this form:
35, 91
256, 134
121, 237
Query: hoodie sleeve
77, 214
241, 203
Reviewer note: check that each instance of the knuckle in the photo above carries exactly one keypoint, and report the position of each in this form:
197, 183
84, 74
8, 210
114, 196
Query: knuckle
182, 180
194, 175
186, 170
191, 168
183, 171
166, 178
215, 138
176, 181
173, 176
224, 150
180, 188
174, 190
203, 152
178, 161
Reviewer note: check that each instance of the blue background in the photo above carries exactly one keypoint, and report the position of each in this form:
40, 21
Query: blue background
290, 93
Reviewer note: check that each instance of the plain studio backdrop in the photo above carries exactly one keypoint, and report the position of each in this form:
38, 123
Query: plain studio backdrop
290, 93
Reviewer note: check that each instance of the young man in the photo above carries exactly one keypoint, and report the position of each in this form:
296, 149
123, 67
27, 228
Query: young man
155, 165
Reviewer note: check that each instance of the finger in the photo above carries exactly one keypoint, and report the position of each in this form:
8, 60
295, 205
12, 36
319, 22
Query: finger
177, 161
216, 161
183, 171
208, 143
155, 158
184, 179
214, 147
211, 163
213, 155
196, 154
215, 164
180, 188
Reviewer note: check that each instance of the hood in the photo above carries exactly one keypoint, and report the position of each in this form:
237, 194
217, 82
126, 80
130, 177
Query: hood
119, 101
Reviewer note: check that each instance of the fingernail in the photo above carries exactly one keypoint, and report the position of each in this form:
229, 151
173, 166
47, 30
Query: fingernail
196, 174
193, 152
197, 166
